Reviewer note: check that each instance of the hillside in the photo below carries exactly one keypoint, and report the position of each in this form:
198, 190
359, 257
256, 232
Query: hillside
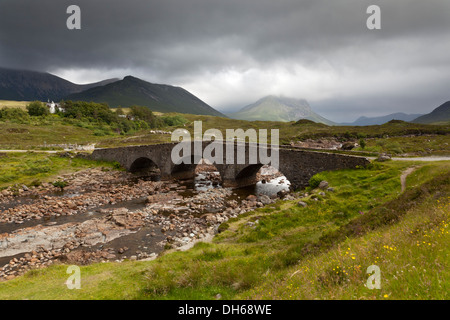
440, 114
24, 85
370, 121
158, 97
272, 108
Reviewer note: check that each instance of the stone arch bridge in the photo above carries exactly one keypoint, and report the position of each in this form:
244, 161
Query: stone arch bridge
297, 165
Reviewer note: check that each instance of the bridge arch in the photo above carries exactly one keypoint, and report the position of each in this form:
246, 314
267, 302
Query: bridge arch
255, 173
145, 166
247, 175
191, 171
184, 170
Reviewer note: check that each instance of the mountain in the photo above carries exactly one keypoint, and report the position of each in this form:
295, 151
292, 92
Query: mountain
158, 97
440, 114
370, 121
24, 85
273, 108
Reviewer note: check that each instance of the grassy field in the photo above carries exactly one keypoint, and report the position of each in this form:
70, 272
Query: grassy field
411, 145
301, 130
320, 251
14, 104
40, 133
16, 136
35, 168
395, 137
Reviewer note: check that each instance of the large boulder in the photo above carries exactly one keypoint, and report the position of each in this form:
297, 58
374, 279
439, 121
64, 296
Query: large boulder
383, 157
349, 145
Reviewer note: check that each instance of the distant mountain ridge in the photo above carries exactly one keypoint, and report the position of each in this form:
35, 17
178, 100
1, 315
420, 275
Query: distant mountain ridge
24, 85
371, 121
158, 97
274, 108
440, 114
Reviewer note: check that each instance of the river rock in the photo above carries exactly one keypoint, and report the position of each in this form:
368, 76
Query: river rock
348, 145
323, 184
302, 204
264, 199
383, 157
282, 193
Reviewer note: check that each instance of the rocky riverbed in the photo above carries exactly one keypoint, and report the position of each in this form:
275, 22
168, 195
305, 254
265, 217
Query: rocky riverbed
112, 215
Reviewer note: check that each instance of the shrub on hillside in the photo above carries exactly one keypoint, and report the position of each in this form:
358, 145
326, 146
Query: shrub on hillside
145, 114
174, 121
14, 114
89, 110
37, 108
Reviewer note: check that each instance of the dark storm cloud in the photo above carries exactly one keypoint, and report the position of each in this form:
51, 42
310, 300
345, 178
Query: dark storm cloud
230, 52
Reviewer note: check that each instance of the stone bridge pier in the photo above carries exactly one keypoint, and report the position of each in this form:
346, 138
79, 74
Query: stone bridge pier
297, 165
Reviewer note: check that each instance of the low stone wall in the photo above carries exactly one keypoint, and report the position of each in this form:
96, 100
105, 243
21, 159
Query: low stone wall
299, 166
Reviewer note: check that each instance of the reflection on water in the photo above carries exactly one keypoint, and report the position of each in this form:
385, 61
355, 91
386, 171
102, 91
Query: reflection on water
269, 188
273, 186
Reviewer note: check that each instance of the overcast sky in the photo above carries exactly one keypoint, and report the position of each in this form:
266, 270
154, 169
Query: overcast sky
230, 53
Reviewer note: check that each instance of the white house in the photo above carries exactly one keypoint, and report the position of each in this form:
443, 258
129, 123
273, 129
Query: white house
54, 107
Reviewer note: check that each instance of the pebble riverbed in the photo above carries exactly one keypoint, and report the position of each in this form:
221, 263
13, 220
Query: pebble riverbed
106, 215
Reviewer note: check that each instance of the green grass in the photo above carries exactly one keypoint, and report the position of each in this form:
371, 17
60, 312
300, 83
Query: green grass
419, 145
32, 168
412, 254
291, 252
42, 132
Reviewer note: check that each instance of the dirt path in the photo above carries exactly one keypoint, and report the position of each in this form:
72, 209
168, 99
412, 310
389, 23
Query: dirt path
429, 158
405, 174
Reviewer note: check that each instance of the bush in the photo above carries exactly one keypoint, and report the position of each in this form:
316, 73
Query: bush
99, 133
315, 180
90, 113
119, 111
362, 143
394, 147
117, 165
60, 184
173, 121
145, 114
37, 108
90, 110
35, 183
14, 114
